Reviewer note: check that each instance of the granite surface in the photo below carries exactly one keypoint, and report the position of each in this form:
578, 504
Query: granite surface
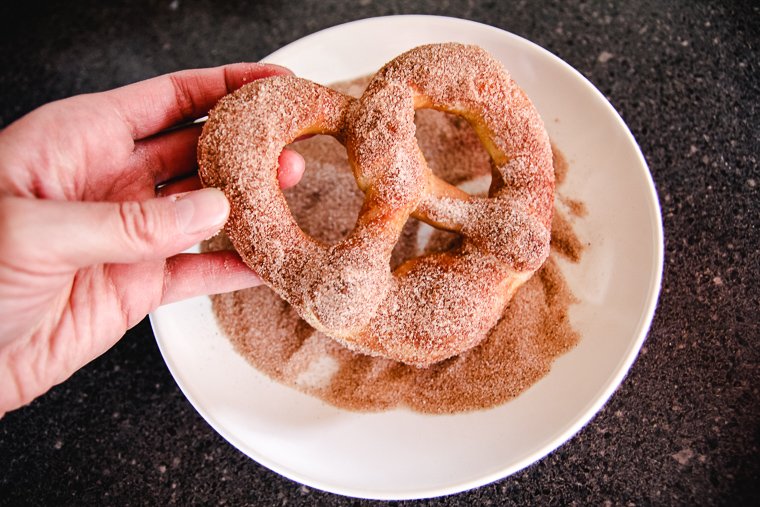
683, 428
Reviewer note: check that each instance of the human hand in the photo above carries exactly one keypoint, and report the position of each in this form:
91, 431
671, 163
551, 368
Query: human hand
96, 202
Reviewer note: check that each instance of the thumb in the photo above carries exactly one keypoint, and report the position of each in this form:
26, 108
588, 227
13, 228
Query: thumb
79, 234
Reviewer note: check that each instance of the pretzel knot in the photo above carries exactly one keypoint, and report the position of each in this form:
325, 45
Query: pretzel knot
431, 307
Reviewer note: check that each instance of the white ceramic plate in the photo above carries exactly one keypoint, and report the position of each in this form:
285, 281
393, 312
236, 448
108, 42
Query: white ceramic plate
400, 454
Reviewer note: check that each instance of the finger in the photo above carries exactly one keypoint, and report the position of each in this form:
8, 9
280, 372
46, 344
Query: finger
167, 156
292, 166
151, 106
63, 234
291, 170
190, 275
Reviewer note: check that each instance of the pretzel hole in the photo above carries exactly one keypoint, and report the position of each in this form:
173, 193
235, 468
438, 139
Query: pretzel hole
453, 150
418, 239
327, 185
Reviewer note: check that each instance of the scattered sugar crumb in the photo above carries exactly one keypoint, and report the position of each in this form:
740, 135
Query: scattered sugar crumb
683, 456
604, 57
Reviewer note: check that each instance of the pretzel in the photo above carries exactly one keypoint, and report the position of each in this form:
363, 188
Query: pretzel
432, 307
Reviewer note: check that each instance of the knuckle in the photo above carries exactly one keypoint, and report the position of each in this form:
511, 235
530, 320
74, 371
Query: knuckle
183, 95
229, 81
140, 227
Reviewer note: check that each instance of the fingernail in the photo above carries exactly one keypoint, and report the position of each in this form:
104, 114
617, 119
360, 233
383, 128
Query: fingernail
201, 210
279, 68
259, 70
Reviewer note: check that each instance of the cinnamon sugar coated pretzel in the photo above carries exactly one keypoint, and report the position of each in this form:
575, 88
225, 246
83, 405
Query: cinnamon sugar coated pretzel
431, 307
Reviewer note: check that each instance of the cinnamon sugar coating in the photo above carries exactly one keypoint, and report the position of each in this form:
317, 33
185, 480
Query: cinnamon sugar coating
429, 308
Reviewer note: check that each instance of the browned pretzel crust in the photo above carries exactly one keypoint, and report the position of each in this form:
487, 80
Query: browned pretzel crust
432, 307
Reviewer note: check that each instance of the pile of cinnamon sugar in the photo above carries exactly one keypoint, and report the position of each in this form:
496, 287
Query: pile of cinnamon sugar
533, 331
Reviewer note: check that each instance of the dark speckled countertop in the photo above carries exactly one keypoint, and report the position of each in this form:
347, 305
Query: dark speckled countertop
683, 428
